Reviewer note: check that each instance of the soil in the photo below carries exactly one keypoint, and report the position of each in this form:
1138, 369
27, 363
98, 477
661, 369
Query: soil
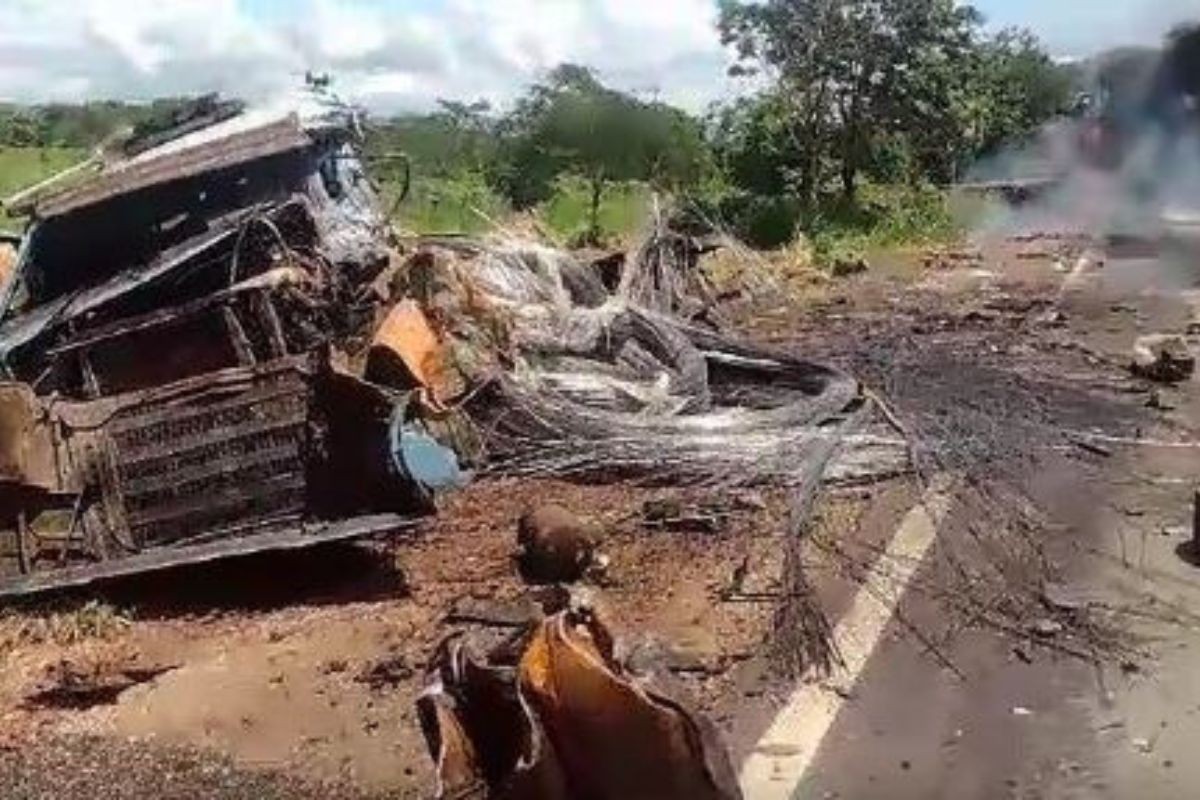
272, 663
294, 675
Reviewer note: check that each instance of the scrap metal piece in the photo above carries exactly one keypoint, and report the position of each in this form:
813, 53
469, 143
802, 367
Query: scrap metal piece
296, 537
617, 736
155, 167
406, 353
8, 258
420, 458
1165, 358
481, 733
26, 447
569, 722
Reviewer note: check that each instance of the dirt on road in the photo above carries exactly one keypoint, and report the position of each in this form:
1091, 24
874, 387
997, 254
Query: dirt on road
295, 675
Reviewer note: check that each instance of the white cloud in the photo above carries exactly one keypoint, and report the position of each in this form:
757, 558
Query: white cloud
387, 58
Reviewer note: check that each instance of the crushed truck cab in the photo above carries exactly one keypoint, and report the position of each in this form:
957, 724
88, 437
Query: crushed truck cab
177, 345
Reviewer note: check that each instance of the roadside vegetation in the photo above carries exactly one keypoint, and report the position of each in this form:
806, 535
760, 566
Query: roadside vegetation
857, 113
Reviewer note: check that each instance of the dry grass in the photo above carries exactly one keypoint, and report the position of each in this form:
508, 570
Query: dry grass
91, 621
788, 273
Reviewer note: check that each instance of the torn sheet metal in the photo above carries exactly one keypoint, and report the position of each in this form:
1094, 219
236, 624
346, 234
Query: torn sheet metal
567, 721
576, 390
406, 352
9, 245
128, 177
26, 448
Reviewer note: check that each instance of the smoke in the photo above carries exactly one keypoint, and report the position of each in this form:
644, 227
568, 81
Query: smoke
1127, 164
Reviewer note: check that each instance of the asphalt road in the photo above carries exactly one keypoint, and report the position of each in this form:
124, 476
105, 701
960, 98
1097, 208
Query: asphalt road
1019, 720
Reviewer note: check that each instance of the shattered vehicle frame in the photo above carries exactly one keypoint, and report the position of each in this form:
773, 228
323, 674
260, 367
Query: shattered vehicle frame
172, 386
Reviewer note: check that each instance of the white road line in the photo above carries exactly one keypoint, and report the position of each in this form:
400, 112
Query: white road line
786, 751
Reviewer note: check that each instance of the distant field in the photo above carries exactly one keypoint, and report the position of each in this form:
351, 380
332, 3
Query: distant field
623, 209
433, 206
22, 166
437, 205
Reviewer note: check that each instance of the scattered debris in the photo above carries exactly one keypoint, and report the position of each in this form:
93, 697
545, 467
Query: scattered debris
1194, 545
213, 349
845, 267
1054, 318
77, 685
554, 545
1064, 599
518, 613
1046, 628
673, 514
387, 673
1092, 447
566, 720
1156, 402
943, 258
1164, 358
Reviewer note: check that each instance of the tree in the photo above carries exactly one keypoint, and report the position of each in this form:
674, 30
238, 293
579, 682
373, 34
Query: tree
850, 72
573, 124
1015, 87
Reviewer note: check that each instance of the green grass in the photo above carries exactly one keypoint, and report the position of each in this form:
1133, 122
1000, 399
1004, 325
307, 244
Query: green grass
885, 217
624, 209
466, 204
24, 166
462, 204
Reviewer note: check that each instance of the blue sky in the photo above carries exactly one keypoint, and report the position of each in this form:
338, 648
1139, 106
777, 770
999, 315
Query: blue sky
404, 54
1081, 27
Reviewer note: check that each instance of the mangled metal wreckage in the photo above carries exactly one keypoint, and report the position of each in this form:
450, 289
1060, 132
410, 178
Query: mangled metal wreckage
209, 347
170, 388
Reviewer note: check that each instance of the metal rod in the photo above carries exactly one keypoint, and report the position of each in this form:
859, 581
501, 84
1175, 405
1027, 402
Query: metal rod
22, 549
1196, 523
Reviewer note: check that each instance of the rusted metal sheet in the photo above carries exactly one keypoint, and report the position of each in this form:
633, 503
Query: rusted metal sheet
406, 351
8, 260
129, 176
201, 460
296, 536
26, 448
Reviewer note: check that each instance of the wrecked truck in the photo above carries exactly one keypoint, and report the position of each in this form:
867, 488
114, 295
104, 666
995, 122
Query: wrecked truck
177, 376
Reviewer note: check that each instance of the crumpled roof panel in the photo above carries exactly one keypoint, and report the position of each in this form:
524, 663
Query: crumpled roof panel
171, 163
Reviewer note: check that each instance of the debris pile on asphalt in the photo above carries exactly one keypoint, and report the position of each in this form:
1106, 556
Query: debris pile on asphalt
1164, 358
213, 345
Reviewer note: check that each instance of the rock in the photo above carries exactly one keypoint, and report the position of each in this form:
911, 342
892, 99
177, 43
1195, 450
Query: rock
1046, 628
1165, 358
844, 267
518, 613
1053, 319
387, 673
1157, 403
554, 545
1062, 598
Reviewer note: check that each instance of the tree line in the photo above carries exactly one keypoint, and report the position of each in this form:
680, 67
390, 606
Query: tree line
896, 92
842, 94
